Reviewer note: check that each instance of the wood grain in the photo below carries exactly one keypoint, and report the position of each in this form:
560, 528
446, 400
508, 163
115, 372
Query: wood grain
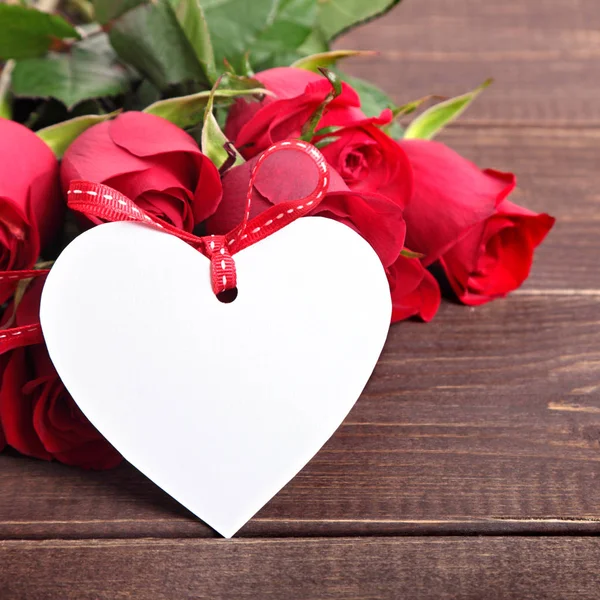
484, 421
377, 568
543, 54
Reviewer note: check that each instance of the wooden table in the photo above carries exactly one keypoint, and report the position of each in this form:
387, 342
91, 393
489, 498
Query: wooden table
470, 467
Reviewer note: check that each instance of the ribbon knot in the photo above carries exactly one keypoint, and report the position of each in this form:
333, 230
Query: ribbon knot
222, 266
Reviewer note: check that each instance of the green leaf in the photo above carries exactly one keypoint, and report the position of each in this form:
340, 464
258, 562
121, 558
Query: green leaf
5, 109
410, 254
280, 32
308, 131
71, 78
393, 129
82, 10
275, 32
327, 59
109, 10
28, 33
315, 43
214, 143
5, 101
337, 16
326, 141
372, 101
247, 70
60, 136
433, 120
187, 111
410, 107
328, 130
145, 94
239, 82
191, 19
285, 37
235, 26
149, 38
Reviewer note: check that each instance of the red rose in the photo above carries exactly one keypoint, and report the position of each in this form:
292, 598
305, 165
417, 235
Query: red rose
369, 160
2, 439
291, 175
31, 206
460, 217
254, 126
151, 161
414, 290
38, 415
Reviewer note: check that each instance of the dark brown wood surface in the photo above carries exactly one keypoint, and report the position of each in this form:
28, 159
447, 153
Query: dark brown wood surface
473, 457
303, 569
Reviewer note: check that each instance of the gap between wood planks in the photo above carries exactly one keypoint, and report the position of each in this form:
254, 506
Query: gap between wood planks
557, 292
298, 529
562, 126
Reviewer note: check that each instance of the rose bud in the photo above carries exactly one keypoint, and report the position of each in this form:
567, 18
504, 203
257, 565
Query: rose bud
38, 415
152, 162
289, 175
459, 216
31, 206
369, 160
254, 126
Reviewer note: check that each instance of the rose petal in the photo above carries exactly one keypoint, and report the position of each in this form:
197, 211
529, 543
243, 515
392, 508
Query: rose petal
384, 167
94, 157
451, 195
16, 407
495, 258
97, 455
30, 202
414, 290
144, 134
285, 118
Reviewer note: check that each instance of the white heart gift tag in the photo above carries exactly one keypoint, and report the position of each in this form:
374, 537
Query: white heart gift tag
218, 404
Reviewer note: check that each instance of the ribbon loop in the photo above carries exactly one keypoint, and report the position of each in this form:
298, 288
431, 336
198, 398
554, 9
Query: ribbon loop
283, 213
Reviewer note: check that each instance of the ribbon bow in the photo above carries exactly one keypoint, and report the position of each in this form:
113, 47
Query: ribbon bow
109, 205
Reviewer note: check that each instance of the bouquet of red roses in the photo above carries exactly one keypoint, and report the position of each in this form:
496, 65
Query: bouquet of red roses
171, 103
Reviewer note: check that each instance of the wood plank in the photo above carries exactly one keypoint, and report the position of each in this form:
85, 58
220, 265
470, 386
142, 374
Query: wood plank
485, 420
543, 54
445, 568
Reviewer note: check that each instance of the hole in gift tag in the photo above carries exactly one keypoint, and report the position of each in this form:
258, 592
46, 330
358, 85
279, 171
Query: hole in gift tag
228, 296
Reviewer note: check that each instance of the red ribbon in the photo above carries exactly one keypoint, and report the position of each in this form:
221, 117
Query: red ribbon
109, 205
17, 337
